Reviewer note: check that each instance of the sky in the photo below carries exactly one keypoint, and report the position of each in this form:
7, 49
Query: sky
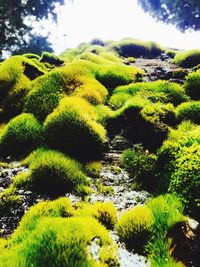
83, 20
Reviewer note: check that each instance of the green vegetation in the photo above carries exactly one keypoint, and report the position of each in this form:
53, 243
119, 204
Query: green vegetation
188, 59
20, 136
141, 165
62, 242
185, 180
136, 48
104, 212
51, 59
65, 118
71, 129
192, 85
158, 91
51, 173
134, 227
189, 111
167, 211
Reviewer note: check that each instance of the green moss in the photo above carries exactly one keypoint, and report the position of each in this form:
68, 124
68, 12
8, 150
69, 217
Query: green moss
45, 94
31, 55
105, 212
185, 180
171, 52
52, 173
114, 75
51, 59
60, 207
136, 48
167, 211
192, 85
188, 59
20, 136
158, 91
134, 227
62, 242
189, 111
93, 168
141, 166
142, 123
73, 131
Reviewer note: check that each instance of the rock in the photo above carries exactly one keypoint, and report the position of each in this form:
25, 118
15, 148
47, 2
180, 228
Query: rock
186, 242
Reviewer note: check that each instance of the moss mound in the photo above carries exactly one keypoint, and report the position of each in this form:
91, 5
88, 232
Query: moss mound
20, 136
74, 131
158, 91
136, 48
62, 242
189, 111
188, 59
134, 227
192, 85
52, 173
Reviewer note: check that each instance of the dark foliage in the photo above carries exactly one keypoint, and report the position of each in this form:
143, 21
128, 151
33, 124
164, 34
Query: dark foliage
182, 13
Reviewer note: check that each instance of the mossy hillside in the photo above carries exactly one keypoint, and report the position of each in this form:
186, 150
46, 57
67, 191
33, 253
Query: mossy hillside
158, 91
73, 131
52, 173
20, 136
63, 243
188, 59
74, 79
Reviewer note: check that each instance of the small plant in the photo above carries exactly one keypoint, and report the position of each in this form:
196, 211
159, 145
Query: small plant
141, 165
171, 52
73, 131
188, 59
20, 136
192, 85
189, 111
134, 227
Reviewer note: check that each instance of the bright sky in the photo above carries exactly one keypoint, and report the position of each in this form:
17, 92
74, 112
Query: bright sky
84, 20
